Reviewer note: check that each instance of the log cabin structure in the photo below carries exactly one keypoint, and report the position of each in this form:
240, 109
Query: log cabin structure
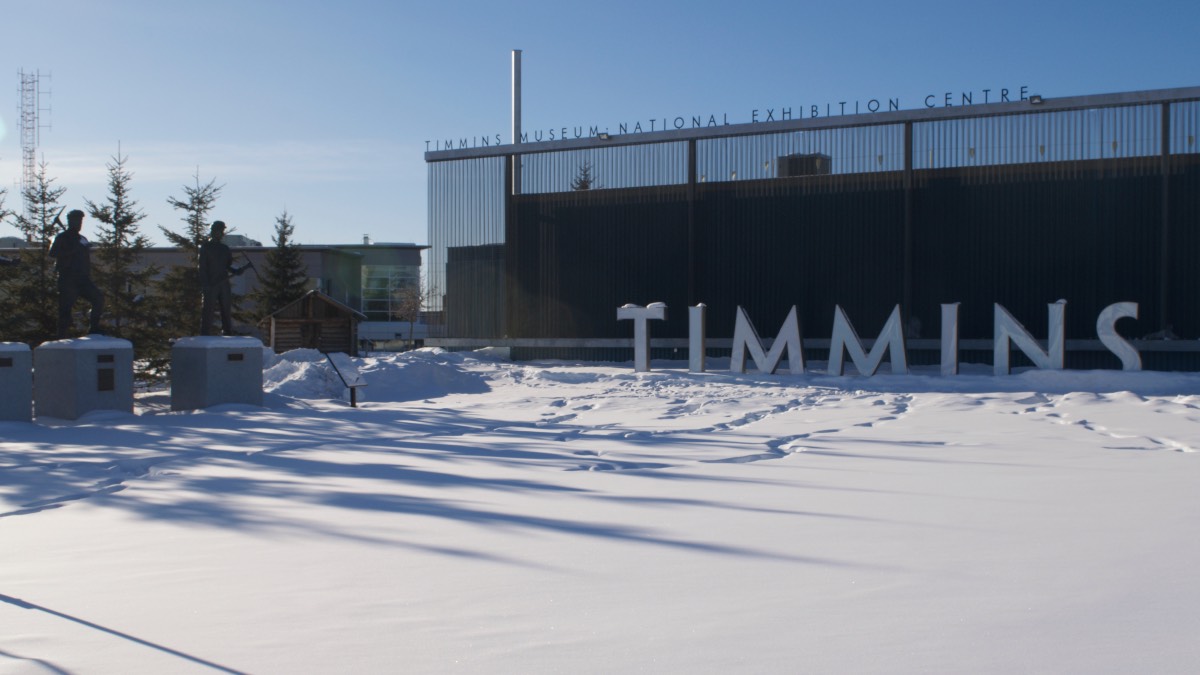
315, 321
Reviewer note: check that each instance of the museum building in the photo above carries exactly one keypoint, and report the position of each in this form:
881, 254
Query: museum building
1089, 199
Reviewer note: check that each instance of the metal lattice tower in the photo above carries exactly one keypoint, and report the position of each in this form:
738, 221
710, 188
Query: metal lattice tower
31, 109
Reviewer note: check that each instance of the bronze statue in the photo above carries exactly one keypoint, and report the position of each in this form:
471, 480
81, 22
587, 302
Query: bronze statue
73, 261
216, 267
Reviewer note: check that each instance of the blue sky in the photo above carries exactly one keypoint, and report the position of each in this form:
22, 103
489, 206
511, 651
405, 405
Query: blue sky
324, 108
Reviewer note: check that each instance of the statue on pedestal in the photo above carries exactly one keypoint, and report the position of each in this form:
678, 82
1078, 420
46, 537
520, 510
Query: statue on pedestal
216, 267
73, 260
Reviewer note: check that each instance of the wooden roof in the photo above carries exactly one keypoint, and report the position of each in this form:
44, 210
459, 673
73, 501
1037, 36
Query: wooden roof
294, 309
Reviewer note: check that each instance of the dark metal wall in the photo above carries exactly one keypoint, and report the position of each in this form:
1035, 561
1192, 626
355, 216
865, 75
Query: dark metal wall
1088, 234
1183, 246
1091, 236
809, 242
574, 257
475, 287
466, 209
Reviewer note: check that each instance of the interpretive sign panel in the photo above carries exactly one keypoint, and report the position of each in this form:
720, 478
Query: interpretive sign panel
344, 366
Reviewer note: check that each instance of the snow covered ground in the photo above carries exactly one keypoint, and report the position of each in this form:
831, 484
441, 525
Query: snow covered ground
480, 516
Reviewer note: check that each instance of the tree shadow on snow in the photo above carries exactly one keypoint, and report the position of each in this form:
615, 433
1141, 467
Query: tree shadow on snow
242, 469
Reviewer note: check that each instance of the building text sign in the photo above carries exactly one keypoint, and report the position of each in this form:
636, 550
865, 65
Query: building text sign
947, 99
1007, 333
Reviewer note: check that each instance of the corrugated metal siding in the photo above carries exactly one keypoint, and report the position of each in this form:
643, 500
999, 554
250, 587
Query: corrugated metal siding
626, 166
1184, 245
1025, 238
1017, 238
853, 151
466, 208
574, 257
475, 285
1184, 210
1021, 209
1031, 137
811, 242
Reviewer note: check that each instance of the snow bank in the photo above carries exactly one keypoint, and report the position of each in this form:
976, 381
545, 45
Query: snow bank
302, 374
305, 374
416, 375
420, 374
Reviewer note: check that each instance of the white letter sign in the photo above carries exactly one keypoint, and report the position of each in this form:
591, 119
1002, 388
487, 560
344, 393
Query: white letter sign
641, 332
745, 337
1106, 330
950, 339
1007, 329
845, 338
697, 329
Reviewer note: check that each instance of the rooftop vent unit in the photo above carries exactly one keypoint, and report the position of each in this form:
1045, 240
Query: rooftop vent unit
815, 164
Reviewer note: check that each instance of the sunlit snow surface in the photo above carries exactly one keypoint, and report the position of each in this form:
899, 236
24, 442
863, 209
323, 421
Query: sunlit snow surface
475, 515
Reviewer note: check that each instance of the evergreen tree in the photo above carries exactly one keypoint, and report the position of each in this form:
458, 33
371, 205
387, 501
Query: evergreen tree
285, 277
179, 290
584, 179
29, 297
7, 271
4, 213
126, 283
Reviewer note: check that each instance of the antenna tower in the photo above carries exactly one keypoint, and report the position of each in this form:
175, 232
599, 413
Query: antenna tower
31, 109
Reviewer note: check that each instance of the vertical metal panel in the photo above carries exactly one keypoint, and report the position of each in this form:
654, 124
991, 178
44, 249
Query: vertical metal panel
852, 150
1027, 138
1024, 238
1184, 189
1185, 128
814, 242
577, 256
1025, 209
466, 209
625, 166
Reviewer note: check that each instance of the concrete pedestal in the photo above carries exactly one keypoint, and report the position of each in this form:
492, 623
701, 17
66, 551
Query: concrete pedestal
76, 376
16, 382
208, 371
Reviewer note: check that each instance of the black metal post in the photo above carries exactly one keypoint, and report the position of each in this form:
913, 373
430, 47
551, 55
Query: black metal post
907, 297
691, 207
509, 326
1164, 280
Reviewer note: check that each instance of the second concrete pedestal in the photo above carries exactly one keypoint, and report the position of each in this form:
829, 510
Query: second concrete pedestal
208, 371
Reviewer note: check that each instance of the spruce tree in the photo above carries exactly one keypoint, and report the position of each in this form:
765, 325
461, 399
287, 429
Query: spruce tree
5, 214
285, 275
29, 297
584, 180
179, 290
6, 272
119, 273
